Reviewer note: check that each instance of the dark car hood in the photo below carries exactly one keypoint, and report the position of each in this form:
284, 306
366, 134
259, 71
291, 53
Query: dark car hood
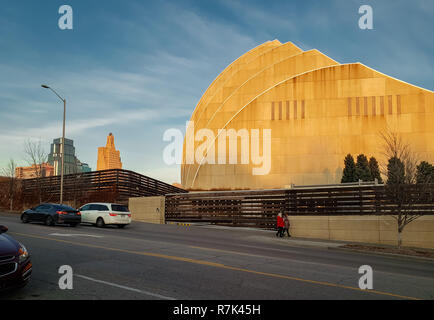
8, 246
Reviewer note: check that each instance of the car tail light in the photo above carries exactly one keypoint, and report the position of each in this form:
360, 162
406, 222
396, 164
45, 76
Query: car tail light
61, 212
113, 214
129, 215
78, 213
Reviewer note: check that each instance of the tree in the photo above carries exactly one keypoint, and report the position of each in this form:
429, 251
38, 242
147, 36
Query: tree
9, 172
36, 157
375, 170
349, 173
394, 146
395, 171
424, 173
401, 191
363, 171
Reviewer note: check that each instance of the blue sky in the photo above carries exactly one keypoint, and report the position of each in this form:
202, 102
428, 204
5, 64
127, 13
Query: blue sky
137, 68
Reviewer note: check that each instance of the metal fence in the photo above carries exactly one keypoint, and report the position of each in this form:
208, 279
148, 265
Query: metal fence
259, 208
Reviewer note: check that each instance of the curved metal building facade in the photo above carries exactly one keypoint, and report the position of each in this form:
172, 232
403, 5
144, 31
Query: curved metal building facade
318, 111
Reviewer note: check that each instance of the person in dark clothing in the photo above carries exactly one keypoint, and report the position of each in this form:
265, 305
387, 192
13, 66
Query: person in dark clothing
286, 225
280, 225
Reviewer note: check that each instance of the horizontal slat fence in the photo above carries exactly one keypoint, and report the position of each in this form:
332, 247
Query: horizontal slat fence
114, 185
259, 208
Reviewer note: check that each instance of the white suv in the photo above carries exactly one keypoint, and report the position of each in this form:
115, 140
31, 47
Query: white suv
102, 214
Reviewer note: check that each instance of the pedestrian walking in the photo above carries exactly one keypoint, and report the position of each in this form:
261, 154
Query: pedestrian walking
286, 225
280, 225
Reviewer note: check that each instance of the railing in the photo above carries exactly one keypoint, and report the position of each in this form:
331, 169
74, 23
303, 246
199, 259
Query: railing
114, 185
258, 208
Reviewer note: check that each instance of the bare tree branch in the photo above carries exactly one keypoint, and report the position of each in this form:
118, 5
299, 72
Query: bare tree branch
402, 190
36, 157
9, 172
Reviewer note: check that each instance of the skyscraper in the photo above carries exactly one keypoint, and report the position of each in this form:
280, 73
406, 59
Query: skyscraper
71, 164
108, 156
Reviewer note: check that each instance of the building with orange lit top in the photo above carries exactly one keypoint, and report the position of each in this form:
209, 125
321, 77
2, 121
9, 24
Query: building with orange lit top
108, 156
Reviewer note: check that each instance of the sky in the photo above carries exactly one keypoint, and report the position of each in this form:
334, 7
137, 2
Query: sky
137, 68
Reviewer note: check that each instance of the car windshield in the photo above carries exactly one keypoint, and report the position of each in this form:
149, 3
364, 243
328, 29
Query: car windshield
118, 207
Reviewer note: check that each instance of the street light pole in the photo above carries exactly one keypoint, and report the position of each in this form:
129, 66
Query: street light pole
62, 152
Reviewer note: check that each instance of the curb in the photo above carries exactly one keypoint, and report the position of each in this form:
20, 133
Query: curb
396, 255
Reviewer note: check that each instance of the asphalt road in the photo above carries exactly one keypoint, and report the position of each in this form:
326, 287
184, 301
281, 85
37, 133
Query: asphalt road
146, 261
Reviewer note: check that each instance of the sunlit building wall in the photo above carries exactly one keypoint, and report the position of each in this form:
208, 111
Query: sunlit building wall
318, 111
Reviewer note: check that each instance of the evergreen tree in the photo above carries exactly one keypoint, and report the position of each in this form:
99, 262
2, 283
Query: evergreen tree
395, 171
349, 174
425, 173
375, 169
363, 171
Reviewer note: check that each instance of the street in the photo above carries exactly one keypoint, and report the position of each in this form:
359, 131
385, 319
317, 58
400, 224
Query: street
148, 261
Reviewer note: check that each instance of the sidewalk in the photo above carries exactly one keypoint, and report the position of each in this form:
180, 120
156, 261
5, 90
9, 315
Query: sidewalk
387, 250
302, 242
367, 248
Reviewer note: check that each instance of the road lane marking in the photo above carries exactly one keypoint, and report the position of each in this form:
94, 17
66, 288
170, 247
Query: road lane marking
74, 235
222, 266
125, 287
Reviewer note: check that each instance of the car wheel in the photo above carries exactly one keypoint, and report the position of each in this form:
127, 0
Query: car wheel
49, 221
100, 223
120, 226
25, 218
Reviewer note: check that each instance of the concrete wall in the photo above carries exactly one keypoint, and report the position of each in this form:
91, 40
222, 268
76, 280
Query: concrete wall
369, 229
147, 209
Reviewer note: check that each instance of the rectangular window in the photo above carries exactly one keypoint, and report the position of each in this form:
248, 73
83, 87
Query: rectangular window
358, 106
118, 207
350, 112
398, 104
382, 105
287, 110
390, 104
365, 106
302, 110
374, 106
280, 110
295, 109
272, 111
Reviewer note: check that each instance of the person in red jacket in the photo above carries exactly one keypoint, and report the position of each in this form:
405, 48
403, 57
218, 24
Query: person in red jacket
280, 225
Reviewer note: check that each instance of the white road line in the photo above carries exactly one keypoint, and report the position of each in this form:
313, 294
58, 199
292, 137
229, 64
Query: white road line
74, 235
126, 288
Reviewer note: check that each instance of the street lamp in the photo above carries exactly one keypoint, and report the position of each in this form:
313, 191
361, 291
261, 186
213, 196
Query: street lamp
63, 141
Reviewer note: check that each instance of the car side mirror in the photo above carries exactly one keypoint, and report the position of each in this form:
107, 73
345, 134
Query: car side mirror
3, 229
